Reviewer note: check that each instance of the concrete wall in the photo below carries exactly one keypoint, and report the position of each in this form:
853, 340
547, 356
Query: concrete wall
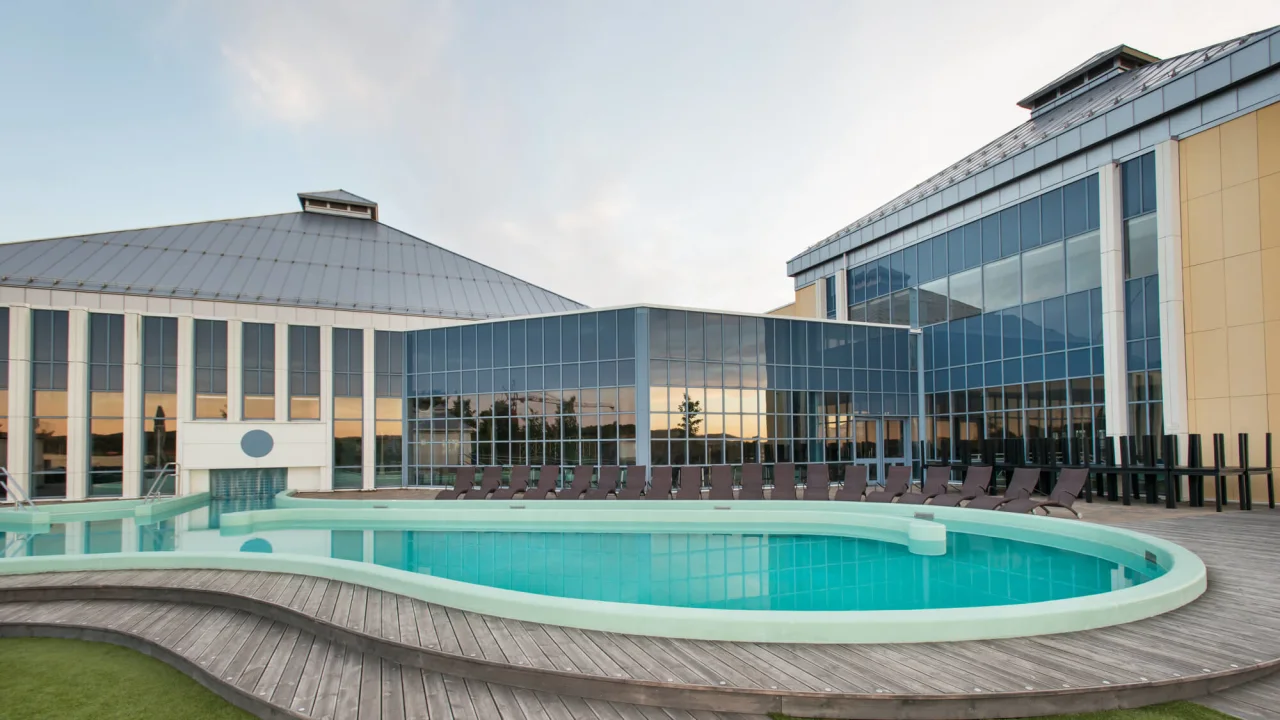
1230, 207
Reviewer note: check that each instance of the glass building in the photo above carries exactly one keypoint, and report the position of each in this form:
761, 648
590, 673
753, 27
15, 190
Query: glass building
658, 386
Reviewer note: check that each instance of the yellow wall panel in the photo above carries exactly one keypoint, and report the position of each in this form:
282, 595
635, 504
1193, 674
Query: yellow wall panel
1206, 299
1212, 416
1240, 220
1211, 359
1202, 161
1239, 142
1249, 415
1272, 332
1269, 210
806, 305
1242, 276
1204, 228
1270, 284
1269, 139
1246, 356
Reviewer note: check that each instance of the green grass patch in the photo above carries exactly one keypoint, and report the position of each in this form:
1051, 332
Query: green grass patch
1168, 711
75, 680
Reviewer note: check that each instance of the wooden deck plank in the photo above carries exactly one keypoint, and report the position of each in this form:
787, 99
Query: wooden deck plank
351, 686
318, 656
369, 704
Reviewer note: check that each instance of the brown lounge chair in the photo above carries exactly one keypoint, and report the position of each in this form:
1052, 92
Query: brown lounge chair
1070, 483
607, 484
855, 484
580, 486
936, 479
462, 484
519, 483
547, 478
1021, 485
976, 481
659, 484
490, 481
784, 482
817, 486
897, 482
721, 483
690, 483
752, 482
634, 485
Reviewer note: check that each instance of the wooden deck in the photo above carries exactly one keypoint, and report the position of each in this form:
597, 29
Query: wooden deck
317, 648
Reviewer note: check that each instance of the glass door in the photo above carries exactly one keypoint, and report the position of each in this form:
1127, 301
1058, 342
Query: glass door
866, 448
895, 442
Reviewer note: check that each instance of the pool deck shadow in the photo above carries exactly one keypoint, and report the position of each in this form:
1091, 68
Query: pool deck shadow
1229, 636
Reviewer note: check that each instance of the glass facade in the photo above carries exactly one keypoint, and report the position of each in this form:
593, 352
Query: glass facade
258, 363
1011, 307
554, 390
694, 388
106, 405
388, 388
304, 372
159, 400
49, 403
4, 385
1142, 296
348, 409
211, 369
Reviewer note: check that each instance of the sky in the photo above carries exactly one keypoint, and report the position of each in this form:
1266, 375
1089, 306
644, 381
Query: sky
676, 152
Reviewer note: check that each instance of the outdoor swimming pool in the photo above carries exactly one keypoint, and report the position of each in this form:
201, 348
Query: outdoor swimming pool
741, 570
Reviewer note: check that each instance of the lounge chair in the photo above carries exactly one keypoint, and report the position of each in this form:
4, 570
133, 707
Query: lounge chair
463, 482
1021, 485
580, 486
784, 482
897, 482
547, 478
519, 483
659, 484
817, 486
976, 481
752, 482
855, 484
607, 483
936, 479
721, 483
635, 482
1071, 482
690, 483
490, 481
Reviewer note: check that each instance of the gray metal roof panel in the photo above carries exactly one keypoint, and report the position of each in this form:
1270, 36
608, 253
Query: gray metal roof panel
305, 259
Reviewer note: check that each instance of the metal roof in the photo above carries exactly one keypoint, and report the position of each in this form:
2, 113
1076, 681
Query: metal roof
1071, 114
338, 196
300, 259
1105, 56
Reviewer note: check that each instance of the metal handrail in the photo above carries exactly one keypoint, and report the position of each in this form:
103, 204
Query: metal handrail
15, 491
170, 469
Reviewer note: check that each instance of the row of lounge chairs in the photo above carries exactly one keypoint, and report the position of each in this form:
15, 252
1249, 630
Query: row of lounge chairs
935, 490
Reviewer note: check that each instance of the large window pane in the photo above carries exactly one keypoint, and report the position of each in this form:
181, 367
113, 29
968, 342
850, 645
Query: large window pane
1001, 284
1140, 246
933, 302
1042, 273
1084, 262
966, 293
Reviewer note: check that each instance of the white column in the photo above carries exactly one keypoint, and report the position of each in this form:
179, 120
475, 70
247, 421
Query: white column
186, 395
77, 403
132, 407
1113, 330
842, 289
282, 372
19, 460
1173, 341
369, 409
326, 401
235, 371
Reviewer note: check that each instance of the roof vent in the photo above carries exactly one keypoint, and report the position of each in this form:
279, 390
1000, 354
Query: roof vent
338, 202
1094, 71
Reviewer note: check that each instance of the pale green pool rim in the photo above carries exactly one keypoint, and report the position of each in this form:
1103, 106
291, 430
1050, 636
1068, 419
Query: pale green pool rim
144, 511
1184, 580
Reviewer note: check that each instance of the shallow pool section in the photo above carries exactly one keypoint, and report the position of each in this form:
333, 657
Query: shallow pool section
739, 571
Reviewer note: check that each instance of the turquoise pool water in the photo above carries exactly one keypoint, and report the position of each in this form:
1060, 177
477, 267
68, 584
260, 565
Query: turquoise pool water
719, 571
